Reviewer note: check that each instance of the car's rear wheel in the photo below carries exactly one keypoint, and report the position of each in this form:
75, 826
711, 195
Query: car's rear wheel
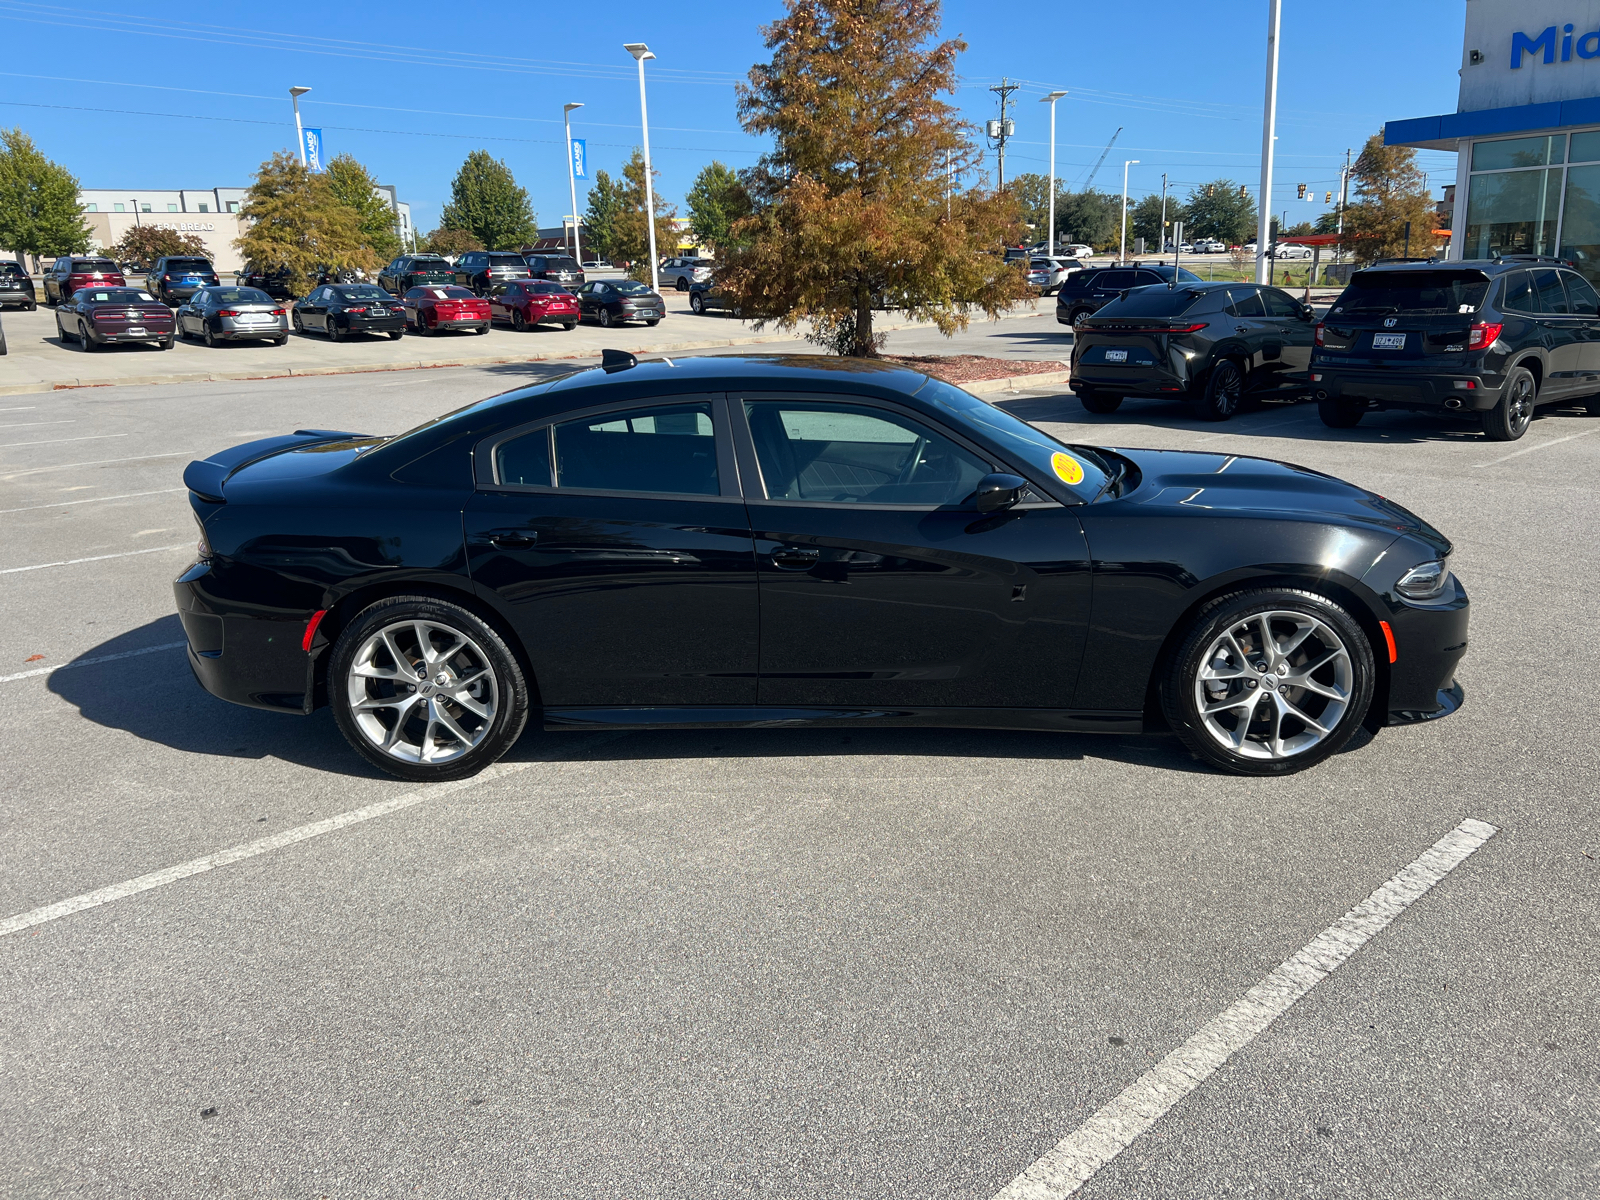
697, 305
1223, 391
518, 321
335, 334
1509, 419
653, 322
569, 326
1592, 405
1078, 314
1269, 682
425, 690
282, 340
209, 338
62, 330
164, 343
396, 334
604, 316
86, 338
1099, 402
1337, 412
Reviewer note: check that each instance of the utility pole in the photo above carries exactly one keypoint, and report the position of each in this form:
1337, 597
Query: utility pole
1269, 129
1000, 130
1344, 198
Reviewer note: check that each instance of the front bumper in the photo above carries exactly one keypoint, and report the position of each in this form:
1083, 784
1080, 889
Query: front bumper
1430, 641
1391, 388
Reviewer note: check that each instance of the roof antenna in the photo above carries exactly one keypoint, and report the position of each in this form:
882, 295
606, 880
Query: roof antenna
617, 360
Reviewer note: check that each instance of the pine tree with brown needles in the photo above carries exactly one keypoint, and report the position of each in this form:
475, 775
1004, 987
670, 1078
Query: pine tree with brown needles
853, 212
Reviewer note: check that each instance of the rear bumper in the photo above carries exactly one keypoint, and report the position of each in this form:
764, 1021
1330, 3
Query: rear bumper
458, 322
243, 659
250, 333
1132, 381
383, 324
9, 296
1403, 389
152, 333
181, 291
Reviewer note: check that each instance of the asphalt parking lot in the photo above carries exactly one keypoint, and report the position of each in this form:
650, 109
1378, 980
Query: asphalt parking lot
774, 963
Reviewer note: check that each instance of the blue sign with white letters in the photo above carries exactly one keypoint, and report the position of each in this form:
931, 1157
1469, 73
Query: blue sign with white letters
313, 150
580, 155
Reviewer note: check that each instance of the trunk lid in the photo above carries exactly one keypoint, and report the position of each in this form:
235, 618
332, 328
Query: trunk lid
208, 477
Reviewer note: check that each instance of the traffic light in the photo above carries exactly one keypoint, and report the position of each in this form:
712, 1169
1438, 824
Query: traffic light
1243, 190
1328, 199
1300, 190
1211, 189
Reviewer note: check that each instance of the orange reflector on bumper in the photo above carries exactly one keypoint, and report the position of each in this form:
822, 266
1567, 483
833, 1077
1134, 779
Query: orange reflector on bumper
1388, 636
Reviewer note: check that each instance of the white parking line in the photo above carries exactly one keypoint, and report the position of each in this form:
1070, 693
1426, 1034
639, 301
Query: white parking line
99, 462
89, 662
1531, 449
1065, 1169
93, 437
93, 500
35, 424
24, 408
69, 562
301, 833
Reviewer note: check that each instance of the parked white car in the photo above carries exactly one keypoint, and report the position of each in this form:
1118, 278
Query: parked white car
1209, 246
1288, 250
1077, 250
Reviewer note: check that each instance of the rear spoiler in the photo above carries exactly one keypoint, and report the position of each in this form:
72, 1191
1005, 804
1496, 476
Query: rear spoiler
205, 477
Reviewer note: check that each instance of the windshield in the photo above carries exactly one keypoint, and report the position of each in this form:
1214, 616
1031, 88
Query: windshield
239, 295
1413, 292
630, 287
363, 292
1023, 441
1160, 301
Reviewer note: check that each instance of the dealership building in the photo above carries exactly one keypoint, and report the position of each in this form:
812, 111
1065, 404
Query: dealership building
1527, 129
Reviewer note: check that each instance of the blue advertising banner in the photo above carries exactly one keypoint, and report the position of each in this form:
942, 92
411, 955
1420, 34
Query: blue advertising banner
314, 150
580, 155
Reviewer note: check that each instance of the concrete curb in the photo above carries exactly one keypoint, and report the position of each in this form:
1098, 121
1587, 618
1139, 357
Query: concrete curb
1015, 383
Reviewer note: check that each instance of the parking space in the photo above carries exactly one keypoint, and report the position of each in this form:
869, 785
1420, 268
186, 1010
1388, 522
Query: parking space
778, 963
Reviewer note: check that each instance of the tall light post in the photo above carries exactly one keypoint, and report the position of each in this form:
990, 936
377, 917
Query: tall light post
572, 183
1050, 200
641, 52
1269, 124
299, 134
1122, 251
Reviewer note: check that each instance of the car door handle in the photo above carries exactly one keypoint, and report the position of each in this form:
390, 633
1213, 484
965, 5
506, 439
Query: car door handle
1241, 329
513, 541
796, 558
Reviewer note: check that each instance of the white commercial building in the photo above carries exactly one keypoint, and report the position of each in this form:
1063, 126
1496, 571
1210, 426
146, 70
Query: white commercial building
1527, 128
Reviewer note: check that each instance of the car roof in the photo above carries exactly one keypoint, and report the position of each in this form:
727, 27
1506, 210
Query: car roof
1489, 266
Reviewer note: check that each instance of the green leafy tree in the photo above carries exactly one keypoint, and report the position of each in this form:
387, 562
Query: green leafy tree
146, 243
851, 209
717, 200
1218, 210
1088, 218
356, 189
450, 241
486, 201
1389, 190
630, 236
1145, 220
1029, 191
600, 222
294, 221
39, 209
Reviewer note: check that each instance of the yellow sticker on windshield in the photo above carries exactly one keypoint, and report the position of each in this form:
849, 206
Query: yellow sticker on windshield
1067, 468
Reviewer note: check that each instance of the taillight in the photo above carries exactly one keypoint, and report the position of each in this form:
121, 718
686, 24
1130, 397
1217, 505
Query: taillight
362, 309
167, 278
227, 312
1484, 334
278, 312
1318, 338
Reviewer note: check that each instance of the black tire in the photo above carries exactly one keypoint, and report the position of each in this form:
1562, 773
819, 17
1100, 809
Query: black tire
335, 334
1337, 412
281, 341
682, 286
653, 322
569, 326
1509, 419
518, 321
1262, 737
1098, 402
604, 317
209, 338
299, 325
30, 306
396, 334
62, 331
1078, 314
1592, 405
697, 305
482, 649
86, 339
483, 329
165, 344
1224, 391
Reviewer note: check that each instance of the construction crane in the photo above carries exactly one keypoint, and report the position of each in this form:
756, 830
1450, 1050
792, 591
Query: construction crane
1089, 182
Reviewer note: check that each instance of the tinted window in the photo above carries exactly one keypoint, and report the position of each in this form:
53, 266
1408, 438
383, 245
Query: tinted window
11, 268
1552, 296
1582, 298
506, 260
667, 449
1442, 291
1279, 304
535, 264
837, 453
543, 288
1116, 280
363, 291
1246, 303
115, 295
525, 461
1152, 302
189, 264
1146, 278
1517, 294
560, 264
238, 295
91, 266
428, 264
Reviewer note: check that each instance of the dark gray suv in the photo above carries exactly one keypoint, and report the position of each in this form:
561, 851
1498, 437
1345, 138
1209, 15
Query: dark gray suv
1087, 291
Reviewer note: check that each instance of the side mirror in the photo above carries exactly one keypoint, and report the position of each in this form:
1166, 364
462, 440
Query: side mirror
1306, 312
998, 491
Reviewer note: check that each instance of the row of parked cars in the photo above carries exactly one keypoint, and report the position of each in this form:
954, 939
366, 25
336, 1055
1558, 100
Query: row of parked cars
1488, 340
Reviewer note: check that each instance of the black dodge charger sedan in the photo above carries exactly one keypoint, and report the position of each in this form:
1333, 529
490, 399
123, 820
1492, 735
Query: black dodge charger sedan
750, 541
342, 310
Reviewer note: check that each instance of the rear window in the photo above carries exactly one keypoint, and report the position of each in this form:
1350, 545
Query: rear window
1374, 292
93, 266
560, 264
544, 287
189, 264
116, 295
364, 291
1153, 302
428, 264
240, 295
439, 293
11, 268
506, 260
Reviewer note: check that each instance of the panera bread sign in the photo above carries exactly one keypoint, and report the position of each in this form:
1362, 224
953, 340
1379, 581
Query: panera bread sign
185, 226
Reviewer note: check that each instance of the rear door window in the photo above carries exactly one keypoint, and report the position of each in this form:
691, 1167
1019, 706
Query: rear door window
670, 449
1552, 296
1279, 304
1115, 281
1246, 303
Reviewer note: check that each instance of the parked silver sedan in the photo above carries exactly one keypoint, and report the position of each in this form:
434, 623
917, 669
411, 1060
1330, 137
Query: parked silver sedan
233, 314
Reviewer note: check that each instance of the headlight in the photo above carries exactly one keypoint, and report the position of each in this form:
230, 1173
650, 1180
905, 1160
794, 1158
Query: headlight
1425, 581
203, 547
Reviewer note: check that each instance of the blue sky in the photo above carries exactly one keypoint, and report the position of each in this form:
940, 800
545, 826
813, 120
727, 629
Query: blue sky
410, 95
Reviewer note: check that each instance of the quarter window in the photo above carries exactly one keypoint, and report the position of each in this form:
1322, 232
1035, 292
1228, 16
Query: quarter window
1584, 301
672, 448
1518, 294
849, 454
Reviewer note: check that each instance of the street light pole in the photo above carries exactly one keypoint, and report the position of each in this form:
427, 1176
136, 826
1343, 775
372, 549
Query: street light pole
572, 184
1122, 249
299, 133
1050, 199
1269, 125
1164, 221
641, 52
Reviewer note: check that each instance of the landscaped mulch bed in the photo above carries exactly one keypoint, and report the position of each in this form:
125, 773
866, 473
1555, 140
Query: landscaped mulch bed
971, 368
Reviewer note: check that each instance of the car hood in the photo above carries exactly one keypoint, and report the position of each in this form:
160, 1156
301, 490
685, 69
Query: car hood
1231, 484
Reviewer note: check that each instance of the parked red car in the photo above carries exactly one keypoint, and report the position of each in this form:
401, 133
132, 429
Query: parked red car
528, 303
437, 307
69, 273
97, 316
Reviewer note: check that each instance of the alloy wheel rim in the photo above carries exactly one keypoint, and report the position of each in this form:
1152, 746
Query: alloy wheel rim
1228, 388
421, 692
1522, 404
1273, 685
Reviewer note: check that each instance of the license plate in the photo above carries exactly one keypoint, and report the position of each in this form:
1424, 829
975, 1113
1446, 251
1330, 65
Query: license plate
1117, 356
647, 312
1388, 341
135, 330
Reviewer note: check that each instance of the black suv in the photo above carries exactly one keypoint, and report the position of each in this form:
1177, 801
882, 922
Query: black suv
1210, 343
557, 268
274, 281
174, 280
415, 270
1087, 290
1489, 339
16, 287
480, 270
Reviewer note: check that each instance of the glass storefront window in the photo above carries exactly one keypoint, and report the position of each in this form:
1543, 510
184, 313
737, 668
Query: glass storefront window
1585, 147
1519, 152
1580, 237
1512, 213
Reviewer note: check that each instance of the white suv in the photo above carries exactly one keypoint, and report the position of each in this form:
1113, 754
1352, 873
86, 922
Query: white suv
681, 272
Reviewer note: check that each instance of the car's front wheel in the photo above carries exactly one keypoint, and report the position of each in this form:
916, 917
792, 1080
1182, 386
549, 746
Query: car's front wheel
604, 316
1509, 419
1269, 681
425, 690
